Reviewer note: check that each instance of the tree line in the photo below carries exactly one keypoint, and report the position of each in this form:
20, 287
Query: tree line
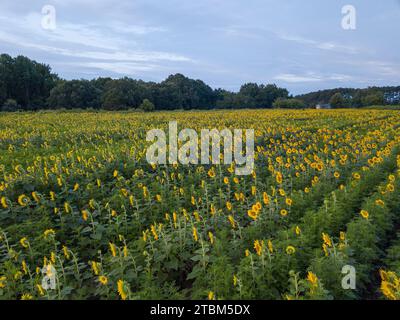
28, 85
350, 97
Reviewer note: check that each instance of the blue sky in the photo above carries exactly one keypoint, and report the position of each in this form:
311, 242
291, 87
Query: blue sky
297, 44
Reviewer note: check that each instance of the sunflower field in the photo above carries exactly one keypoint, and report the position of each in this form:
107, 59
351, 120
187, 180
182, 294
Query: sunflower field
80, 203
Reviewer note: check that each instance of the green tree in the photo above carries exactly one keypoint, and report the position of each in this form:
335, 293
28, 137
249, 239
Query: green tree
6, 77
268, 94
180, 92
337, 100
357, 100
26, 81
10, 106
123, 94
74, 94
252, 95
225, 99
375, 99
282, 103
147, 106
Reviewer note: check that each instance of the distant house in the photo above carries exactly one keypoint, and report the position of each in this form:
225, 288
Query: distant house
392, 97
347, 96
323, 106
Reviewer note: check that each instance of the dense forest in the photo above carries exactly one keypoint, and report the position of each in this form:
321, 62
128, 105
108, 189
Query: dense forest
29, 85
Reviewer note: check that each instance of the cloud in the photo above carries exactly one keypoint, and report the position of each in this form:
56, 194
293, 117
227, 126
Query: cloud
239, 31
121, 28
312, 77
378, 67
112, 35
111, 48
66, 34
123, 68
127, 55
294, 78
329, 45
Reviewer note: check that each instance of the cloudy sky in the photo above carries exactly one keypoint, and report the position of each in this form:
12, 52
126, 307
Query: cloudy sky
298, 44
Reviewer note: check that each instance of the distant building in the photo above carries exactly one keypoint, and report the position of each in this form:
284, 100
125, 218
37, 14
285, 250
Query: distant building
347, 96
323, 106
392, 97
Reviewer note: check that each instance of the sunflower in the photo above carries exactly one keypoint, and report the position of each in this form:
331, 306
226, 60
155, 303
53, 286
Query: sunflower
336, 175
258, 246
40, 289
284, 212
232, 221
235, 280
290, 250
195, 234
95, 267
121, 289
211, 173
265, 198
24, 242
357, 176
390, 187
270, 246
211, 237
49, 232
35, 196
154, 231
103, 280
279, 178
380, 203
252, 214
66, 252
364, 214
113, 249
85, 215
67, 207
23, 200
312, 278
2, 281
327, 239
3, 202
